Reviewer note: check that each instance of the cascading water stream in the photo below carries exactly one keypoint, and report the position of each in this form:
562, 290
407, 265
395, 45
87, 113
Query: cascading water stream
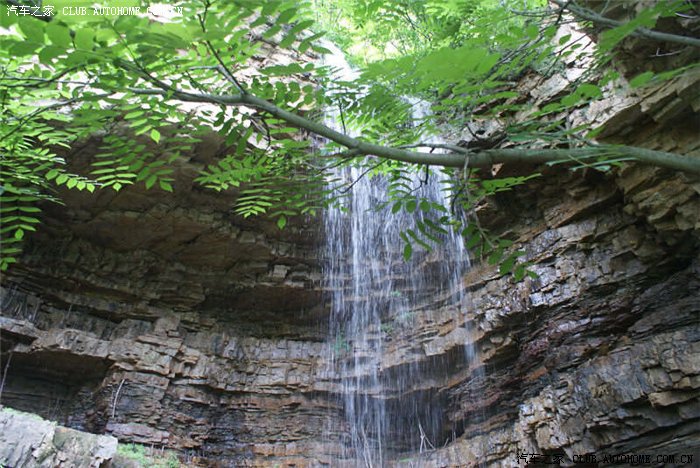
370, 286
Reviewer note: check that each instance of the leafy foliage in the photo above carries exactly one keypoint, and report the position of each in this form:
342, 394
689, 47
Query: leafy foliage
145, 457
373, 30
75, 77
148, 86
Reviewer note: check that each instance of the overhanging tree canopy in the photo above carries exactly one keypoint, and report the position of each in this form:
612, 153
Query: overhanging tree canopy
65, 77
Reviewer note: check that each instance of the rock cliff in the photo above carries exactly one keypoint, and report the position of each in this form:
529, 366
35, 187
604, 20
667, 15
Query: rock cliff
170, 323
27, 440
166, 320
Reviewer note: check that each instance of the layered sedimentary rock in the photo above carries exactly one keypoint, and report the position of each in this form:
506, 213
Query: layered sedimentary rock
597, 355
166, 320
600, 354
170, 323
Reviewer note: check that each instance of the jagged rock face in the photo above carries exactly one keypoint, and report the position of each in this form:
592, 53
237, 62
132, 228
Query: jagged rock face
597, 355
27, 441
169, 322
600, 354
166, 320
657, 56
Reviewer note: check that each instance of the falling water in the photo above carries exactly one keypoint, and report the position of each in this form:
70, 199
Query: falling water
370, 288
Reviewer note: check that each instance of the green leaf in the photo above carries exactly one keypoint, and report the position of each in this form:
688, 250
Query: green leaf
641, 79
50, 52
570, 100
283, 70
519, 273
24, 48
151, 181
134, 114
435, 227
495, 256
155, 135
286, 16
84, 39
270, 33
473, 241
507, 265
532, 31
58, 34
589, 90
8, 20
418, 239
31, 28
281, 222
407, 252
79, 58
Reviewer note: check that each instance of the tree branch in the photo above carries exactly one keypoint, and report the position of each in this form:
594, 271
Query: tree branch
222, 68
591, 15
454, 148
56, 105
38, 82
483, 159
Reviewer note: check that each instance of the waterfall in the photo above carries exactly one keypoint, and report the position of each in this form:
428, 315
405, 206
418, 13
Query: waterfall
370, 289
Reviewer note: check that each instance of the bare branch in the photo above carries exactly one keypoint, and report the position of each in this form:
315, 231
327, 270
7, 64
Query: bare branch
222, 68
455, 148
38, 82
364, 173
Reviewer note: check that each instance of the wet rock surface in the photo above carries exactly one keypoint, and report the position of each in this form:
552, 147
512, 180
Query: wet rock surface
599, 355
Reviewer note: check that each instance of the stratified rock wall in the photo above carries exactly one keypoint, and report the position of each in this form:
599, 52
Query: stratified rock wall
166, 320
600, 355
169, 321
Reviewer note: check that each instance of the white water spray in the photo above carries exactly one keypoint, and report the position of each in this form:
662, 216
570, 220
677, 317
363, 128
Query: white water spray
370, 288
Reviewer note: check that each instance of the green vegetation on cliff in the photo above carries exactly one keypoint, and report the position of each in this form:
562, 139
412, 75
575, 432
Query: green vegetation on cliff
143, 457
